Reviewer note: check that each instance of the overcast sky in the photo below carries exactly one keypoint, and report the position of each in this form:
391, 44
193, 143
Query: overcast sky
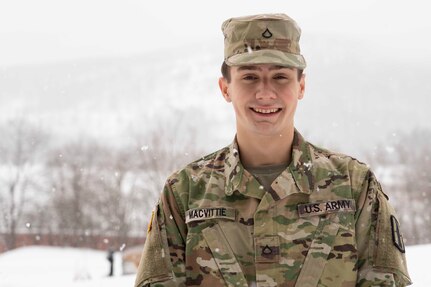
50, 30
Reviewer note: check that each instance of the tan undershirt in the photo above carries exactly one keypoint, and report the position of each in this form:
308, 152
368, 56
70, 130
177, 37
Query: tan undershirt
265, 175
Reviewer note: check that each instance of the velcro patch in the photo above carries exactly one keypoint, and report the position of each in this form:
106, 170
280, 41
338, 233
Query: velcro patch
331, 206
210, 213
267, 249
396, 235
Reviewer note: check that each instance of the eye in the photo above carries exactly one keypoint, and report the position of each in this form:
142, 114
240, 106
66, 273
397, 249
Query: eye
281, 77
249, 77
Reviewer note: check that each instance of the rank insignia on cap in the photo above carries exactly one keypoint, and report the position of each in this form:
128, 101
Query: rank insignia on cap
396, 235
267, 34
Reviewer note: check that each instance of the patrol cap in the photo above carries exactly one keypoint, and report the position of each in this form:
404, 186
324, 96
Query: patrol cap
262, 39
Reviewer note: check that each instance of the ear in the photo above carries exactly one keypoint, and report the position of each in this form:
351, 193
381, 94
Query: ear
301, 87
224, 87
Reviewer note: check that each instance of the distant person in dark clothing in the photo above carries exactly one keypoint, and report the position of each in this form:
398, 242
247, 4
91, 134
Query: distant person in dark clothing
110, 258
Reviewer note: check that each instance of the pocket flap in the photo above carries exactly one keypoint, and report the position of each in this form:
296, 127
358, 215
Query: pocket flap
224, 256
318, 253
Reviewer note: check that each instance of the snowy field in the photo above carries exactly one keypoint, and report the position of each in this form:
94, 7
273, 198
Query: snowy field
49, 266
68, 267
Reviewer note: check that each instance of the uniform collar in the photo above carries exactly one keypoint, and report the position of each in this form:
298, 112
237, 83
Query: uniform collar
299, 170
233, 170
301, 165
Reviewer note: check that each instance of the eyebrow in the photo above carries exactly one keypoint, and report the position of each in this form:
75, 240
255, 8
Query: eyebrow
243, 68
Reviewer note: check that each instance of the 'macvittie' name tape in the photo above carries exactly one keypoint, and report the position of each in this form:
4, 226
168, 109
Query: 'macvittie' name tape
331, 206
210, 213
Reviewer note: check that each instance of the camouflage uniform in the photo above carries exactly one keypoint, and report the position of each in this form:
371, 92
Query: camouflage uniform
324, 222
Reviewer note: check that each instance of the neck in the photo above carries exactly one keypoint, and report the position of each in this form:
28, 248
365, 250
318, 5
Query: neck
258, 150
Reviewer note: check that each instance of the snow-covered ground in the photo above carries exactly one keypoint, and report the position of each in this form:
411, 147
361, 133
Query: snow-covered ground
68, 267
55, 266
418, 257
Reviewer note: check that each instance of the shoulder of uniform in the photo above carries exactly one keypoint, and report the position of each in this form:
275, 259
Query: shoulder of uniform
210, 161
184, 183
200, 167
339, 162
319, 152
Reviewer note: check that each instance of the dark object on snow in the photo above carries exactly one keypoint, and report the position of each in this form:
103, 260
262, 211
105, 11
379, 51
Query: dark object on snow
110, 258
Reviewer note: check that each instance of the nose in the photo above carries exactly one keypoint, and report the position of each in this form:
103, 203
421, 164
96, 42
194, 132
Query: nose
265, 91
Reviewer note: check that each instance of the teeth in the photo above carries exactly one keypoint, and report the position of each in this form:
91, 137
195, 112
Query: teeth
265, 111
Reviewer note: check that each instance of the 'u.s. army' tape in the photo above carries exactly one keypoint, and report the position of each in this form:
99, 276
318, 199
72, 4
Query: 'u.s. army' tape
331, 206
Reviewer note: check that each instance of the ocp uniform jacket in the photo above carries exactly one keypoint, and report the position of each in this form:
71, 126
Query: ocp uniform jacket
324, 222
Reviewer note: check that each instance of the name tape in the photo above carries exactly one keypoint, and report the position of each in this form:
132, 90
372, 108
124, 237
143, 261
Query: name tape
331, 206
210, 213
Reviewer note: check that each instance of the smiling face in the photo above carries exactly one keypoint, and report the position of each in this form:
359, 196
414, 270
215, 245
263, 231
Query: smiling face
264, 98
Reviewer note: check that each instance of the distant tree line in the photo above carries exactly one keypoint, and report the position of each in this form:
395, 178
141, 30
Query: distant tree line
89, 188
83, 188
405, 160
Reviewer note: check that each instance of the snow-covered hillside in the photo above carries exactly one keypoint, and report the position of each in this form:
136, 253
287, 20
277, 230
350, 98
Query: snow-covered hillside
49, 266
349, 104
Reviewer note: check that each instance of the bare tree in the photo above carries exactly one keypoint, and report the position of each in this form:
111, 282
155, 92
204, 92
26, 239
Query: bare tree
158, 152
114, 189
164, 149
94, 190
73, 170
21, 148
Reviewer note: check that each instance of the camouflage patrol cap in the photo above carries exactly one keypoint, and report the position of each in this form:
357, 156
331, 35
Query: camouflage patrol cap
262, 39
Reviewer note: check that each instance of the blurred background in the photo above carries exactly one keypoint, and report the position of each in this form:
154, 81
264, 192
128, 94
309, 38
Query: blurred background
101, 100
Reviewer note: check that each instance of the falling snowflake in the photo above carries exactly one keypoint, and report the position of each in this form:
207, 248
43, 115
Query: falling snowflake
308, 165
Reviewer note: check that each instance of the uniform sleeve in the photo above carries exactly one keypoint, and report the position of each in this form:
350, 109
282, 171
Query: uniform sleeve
381, 251
162, 261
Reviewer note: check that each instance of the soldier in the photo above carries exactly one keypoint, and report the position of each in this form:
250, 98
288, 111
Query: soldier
271, 209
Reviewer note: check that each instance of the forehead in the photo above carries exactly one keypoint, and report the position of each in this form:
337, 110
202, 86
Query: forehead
262, 67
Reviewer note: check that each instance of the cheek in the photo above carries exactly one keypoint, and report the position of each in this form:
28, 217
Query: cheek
241, 110
290, 97
292, 94
242, 89
238, 108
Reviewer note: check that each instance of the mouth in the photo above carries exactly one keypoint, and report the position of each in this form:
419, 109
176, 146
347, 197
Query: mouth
266, 111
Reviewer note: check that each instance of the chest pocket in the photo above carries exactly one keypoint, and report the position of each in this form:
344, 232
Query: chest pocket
317, 255
224, 256
317, 244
